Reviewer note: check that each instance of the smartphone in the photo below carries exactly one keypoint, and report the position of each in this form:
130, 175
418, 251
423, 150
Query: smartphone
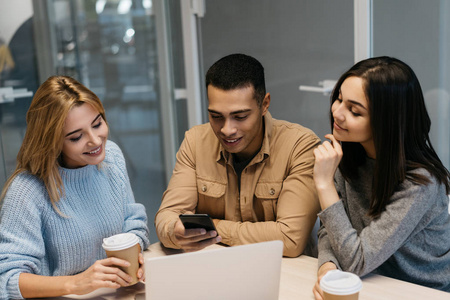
198, 221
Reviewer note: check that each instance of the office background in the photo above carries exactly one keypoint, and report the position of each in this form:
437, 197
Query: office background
146, 61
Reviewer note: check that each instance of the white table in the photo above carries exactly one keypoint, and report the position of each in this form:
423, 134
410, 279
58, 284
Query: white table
298, 276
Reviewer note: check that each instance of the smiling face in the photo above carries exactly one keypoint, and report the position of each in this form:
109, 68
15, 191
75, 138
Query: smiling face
351, 115
237, 120
85, 134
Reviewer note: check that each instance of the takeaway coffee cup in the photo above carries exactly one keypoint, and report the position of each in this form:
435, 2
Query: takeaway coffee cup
124, 246
338, 285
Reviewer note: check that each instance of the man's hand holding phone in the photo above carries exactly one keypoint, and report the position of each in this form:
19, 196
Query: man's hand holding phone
194, 232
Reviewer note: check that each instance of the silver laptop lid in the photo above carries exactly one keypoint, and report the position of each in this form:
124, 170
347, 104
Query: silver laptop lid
240, 272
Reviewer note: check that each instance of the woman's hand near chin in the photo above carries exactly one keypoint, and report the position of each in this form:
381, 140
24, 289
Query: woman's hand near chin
327, 158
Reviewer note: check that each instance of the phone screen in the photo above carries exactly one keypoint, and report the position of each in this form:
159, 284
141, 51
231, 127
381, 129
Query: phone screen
197, 221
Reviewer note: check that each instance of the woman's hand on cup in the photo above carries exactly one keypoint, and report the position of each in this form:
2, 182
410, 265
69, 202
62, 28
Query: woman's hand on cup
103, 273
141, 270
328, 266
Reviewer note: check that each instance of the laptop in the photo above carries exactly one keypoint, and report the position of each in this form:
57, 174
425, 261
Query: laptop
250, 272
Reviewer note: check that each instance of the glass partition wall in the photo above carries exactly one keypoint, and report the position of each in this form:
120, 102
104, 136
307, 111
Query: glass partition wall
131, 53
115, 49
18, 79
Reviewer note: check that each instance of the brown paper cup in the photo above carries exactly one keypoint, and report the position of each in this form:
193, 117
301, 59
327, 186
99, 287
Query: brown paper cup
338, 285
327, 296
124, 246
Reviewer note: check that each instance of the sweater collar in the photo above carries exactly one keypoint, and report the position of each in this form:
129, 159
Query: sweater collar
69, 175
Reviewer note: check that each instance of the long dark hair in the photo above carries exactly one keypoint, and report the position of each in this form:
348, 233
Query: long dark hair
400, 125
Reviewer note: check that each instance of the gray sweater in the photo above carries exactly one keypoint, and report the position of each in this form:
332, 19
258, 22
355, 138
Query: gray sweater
410, 240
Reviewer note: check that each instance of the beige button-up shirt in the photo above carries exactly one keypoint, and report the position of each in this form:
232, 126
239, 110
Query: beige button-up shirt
277, 201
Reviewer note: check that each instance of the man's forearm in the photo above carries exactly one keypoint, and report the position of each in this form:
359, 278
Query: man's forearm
239, 233
165, 224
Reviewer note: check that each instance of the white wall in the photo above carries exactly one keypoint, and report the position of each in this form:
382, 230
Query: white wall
12, 15
417, 32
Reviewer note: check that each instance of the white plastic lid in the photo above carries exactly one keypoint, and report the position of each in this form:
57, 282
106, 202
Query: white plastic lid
336, 282
120, 241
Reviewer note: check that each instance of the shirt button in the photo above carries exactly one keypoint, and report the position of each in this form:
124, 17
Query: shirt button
272, 192
204, 188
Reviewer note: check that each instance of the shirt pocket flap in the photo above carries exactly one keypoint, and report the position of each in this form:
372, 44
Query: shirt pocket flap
268, 190
210, 188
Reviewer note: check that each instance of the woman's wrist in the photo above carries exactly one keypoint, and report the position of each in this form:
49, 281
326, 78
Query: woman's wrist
68, 285
328, 266
327, 195
324, 186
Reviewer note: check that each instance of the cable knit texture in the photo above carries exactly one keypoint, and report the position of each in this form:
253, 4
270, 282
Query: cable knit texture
410, 240
34, 238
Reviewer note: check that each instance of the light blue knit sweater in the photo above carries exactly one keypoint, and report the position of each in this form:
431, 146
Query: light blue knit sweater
99, 202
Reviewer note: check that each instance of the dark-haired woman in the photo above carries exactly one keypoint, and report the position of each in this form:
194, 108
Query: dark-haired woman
381, 186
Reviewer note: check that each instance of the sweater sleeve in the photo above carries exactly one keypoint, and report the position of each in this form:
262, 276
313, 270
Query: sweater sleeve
21, 237
135, 214
326, 253
363, 252
325, 249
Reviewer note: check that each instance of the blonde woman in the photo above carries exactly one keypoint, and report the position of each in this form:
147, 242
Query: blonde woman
70, 190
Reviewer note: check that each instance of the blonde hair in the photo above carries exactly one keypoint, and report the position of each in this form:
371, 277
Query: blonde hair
41, 147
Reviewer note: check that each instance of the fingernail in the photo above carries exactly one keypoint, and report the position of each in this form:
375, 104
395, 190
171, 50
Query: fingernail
140, 273
218, 239
202, 231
